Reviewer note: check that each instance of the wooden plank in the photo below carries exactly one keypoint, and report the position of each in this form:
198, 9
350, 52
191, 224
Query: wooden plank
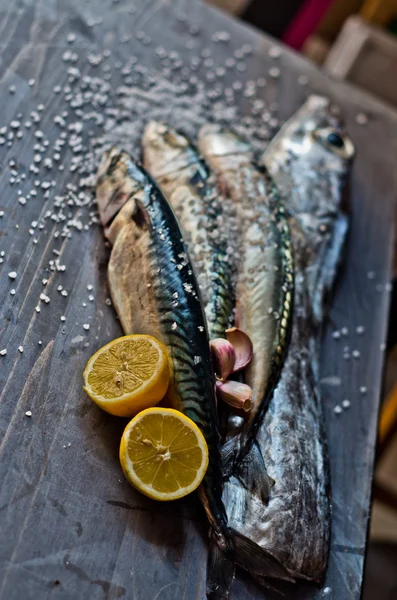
71, 525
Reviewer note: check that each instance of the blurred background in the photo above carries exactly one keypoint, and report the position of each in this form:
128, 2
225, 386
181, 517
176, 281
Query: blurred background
355, 40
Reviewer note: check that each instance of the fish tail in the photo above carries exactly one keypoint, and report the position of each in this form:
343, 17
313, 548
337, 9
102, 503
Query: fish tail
237, 549
249, 468
256, 560
220, 569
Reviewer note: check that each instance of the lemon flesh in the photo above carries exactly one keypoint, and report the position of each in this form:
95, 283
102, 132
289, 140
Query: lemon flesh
163, 454
128, 375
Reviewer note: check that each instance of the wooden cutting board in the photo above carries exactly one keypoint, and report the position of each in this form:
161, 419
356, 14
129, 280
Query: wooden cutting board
71, 526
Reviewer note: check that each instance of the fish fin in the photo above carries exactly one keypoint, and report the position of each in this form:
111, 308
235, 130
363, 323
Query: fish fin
275, 590
229, 454
257, 560
251, 472
220, 572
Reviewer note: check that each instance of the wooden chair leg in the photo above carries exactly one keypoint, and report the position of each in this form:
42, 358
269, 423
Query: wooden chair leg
387, 421
387, 431
385, 496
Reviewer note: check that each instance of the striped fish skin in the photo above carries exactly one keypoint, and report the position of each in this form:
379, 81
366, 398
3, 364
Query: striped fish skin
185, 181
295, 524
155, 292
265, 273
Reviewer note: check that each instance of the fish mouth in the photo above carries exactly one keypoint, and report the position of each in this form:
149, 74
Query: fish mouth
316, 101
160, 134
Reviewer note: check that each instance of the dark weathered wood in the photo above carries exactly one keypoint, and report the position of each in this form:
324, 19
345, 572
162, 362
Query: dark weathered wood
71, 526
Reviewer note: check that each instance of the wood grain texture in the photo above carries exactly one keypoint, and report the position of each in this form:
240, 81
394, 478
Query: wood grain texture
71, 525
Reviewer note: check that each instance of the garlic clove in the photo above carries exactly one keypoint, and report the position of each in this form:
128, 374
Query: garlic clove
235, 394
223, 356
242, 346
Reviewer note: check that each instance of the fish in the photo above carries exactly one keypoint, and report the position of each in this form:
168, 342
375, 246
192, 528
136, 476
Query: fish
154, 291
186, 182
315, 137
264, 289
310, 159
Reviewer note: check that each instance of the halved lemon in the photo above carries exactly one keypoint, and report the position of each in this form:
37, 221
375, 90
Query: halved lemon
163, 454
128, 375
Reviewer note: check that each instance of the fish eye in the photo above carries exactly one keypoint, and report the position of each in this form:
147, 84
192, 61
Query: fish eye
334, 139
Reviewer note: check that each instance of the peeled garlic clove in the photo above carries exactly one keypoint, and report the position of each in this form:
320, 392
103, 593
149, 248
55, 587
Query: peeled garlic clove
235, 394
242, 346
223, 356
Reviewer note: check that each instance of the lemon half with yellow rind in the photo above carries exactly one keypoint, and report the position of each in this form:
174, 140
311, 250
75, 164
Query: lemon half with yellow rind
128, 375
163, 454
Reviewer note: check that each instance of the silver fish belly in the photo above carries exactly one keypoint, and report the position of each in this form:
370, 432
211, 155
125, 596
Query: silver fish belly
206, 224
309, 160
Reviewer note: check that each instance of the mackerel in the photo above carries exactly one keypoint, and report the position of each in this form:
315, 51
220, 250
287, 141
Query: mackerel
205, 221
264, 288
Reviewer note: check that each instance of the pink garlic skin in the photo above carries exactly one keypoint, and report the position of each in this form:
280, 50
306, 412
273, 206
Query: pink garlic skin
223, 356
242, 346
235, 394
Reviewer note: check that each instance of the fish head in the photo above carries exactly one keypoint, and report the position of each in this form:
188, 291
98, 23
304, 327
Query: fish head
217, 141
316, 133
310, 156
118, 178
165, 150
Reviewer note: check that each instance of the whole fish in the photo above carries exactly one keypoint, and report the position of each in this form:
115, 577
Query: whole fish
264, 288
310, 159
154, 291
185, 181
